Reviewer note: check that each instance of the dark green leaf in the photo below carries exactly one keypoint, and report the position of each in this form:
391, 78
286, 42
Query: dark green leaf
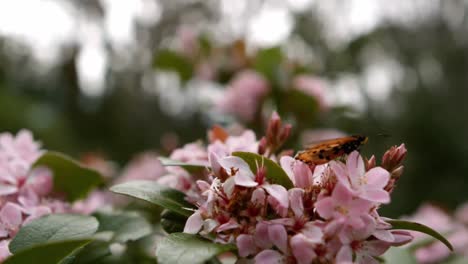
52, 252
408, 225
303, 106
275, 174
92, 253
172, 222
185, 248
155, 193
70, 178
169, 60
267, 61
190, 167
50, 228
399, 255
125, 225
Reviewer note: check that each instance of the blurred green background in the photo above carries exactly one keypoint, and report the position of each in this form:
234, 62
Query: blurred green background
83, 76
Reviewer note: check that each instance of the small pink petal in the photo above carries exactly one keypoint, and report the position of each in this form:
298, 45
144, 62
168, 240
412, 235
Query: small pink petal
258, 197
269, 257
401, 237
340, 171
377, 177
325, 207
378, 196
7, 189
341, 194
232, 224
261, 235
4, 250
355, 165
279, 236
302, 249
11, 215
228, 186
303, 177
279, 193
287, 164
234, 162
244, 179
384, 235
297, 204
345, 255
245, 245
375, 247
313, 233
194, 223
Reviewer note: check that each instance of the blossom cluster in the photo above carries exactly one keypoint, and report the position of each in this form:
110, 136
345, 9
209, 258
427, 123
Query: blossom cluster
454, 226
25, 192
329, 215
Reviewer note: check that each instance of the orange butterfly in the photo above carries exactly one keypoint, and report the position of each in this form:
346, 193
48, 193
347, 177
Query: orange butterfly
327, 150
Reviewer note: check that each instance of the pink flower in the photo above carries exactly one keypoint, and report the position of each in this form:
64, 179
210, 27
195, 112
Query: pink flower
367, 185
4, 250
244, 142
311, 86
303, 244
300, 173
343, 208
95, 201
244, 95
461, 214
145, 166
10, 219
191, 153
270, 256
241, 175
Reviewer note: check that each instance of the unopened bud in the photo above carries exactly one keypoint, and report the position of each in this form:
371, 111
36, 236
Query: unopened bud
370, 163
285, 133
396, 173
262, 146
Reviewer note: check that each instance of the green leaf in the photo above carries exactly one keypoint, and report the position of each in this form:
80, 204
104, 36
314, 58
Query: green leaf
408, 225
55, 227
172, 222
155, 193
185, 248
190, 167
169, 60
275, 174
303, 106
52, 252
70, 178
267, 61
92, 253
125, 225
399, 255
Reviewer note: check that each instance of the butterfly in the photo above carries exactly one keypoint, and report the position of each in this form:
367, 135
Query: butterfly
327, 150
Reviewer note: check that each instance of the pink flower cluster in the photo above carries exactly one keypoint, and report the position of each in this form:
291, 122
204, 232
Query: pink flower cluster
455, 227
330, 215
23, 191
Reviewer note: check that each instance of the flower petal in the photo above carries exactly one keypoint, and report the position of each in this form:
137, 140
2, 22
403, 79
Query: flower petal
302, 249
297, 204
355, 165
234, 162
269, 257
377, 177
279, 193
378, 196
345, 255
287, 164
194, 223
261, 235
245, 245
279, 236
325, 207
11, 215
